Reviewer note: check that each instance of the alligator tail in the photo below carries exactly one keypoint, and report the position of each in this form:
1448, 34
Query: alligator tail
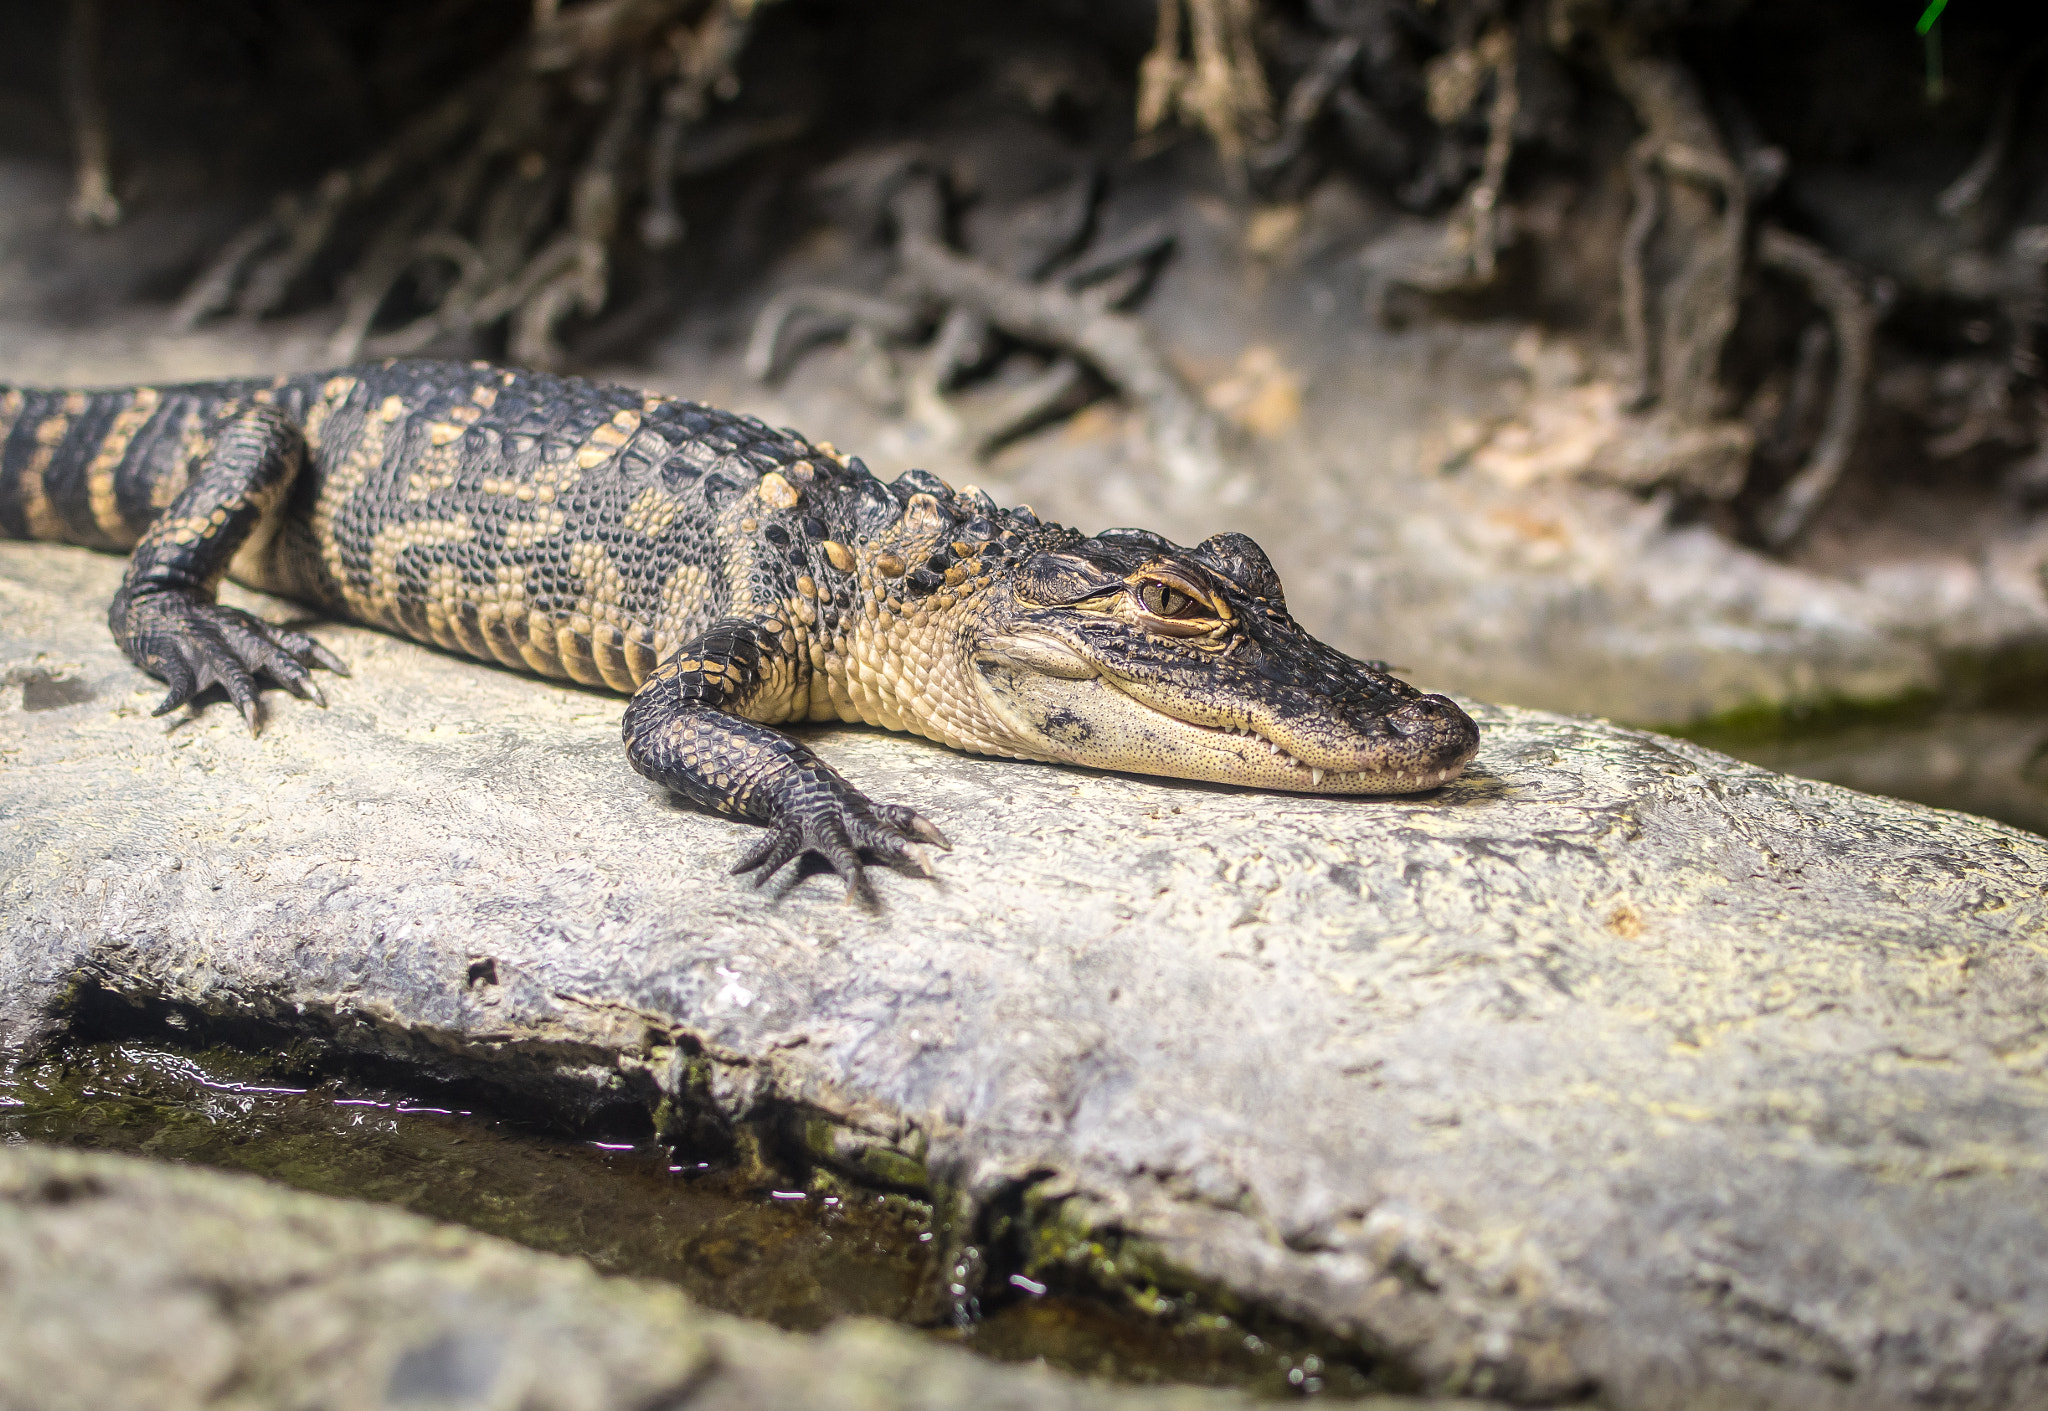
85, 467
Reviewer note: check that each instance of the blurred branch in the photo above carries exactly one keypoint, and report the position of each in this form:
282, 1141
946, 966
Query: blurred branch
1185, 436
1835, 290
92, 202
1967, 191
1214, 80
1679, 154
504, 203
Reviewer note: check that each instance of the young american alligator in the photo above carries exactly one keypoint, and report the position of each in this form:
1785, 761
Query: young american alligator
728, 576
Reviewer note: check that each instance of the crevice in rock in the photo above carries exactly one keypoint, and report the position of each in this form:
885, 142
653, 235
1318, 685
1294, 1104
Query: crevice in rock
544, 1085
998, 1250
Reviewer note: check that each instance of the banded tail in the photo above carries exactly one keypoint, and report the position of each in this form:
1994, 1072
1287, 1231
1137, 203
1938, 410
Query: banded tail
95, 468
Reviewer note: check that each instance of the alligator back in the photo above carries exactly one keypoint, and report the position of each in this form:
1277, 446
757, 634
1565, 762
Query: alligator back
550, 524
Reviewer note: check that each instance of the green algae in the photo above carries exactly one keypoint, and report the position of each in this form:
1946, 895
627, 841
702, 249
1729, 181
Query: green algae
1234, 1342
1978, 745
732, 1232
2013, 680
1763, 723
829, 1146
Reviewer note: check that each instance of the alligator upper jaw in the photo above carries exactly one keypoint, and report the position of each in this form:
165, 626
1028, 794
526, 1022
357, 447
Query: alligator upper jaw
1426, 743
1391, 775
1058, 706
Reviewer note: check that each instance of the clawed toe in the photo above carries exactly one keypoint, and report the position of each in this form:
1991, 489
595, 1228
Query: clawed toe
192, 645
325, 659
842, 833
770, 854
912, 825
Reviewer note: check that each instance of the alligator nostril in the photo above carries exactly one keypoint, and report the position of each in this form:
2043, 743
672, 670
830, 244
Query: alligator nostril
1415, 716
1428, 715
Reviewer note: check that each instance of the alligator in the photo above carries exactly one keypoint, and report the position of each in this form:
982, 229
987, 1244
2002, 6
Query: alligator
728, 576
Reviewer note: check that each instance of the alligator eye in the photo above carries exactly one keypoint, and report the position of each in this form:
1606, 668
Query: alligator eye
1163, 601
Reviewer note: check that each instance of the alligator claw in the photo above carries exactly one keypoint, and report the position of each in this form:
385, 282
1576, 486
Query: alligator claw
841, 829
191, 644
770, 853
915, 824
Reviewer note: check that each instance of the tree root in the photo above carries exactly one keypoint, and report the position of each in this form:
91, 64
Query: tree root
1481, 206
835, 311
969, 301
1682, 254
1835, 290
1966, 193
1185, 437
1461, 255
257, 269
704, 63
1306, 101
503, 205
1681, 177
1059, 389
93, 203
1220, 85
1646, 199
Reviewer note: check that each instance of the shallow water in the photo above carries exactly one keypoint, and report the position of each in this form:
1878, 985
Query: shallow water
1989, 762
795, 1257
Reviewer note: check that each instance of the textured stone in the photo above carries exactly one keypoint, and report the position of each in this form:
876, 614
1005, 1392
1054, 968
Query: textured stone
1617, 1065
126, 1283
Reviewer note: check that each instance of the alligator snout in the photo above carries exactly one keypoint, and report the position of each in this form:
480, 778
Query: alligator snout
1436, 731
1430, 715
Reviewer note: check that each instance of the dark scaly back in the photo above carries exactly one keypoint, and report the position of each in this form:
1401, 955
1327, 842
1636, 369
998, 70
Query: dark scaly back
551, 524
548, 523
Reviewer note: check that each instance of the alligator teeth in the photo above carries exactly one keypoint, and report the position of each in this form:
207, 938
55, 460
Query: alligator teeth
1315, 775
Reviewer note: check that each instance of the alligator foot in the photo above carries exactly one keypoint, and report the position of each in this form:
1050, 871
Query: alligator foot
191, 644
840, 825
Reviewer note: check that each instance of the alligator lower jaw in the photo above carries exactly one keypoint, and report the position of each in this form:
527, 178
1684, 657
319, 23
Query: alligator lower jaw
1103, 723
1315, 775
1300, 777
1331, 781
1242, 755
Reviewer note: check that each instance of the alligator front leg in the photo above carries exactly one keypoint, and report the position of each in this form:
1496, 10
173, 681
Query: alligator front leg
683, 729
165, 616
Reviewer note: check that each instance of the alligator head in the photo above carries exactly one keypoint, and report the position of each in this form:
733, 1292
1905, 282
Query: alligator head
1126, 651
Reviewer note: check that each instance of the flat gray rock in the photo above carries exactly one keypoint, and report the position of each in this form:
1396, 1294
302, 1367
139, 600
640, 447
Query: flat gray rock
1617, 1066
129, 1284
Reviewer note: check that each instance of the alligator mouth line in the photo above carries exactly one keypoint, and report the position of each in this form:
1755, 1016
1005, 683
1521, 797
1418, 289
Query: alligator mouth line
1315, 775
1397, 779
1056, 657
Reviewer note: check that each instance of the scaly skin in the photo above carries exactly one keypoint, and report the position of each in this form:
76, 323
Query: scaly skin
730, 577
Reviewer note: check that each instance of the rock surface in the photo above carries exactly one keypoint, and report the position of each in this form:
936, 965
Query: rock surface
1616, 1066
126, 1283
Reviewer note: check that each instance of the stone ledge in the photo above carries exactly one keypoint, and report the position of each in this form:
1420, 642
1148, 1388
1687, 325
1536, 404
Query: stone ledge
127, 1283
1617, 1065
